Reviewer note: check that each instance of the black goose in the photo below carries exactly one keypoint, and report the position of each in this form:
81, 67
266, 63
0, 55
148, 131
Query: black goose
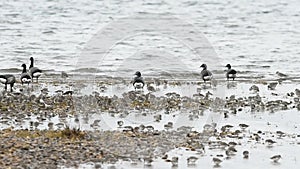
231, 73
138, 81
25, 77
206, 75
34, 71
8, 79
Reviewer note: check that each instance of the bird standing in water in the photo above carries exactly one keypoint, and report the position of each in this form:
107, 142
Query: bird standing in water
8, 79
25, 77
231, 73
138, 81
206, 75
34, 71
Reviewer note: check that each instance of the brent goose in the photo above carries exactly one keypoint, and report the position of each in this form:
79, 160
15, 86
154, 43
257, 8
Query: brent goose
231, 73
8, 79
25, 77
206, 75
138, 81
34, 71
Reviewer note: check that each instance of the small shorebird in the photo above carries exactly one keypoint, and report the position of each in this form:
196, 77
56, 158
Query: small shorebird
168, 126
174, 161
8, 79
243, 126
34, 71
192, 160
64, 75
231, 73
246, 154
25, 77
217, 161
272, 85
206, 75
297, 91
120, 123
270, 142
254, 88
276, 158
157, 118
281, 74
280, 134
150, 88
148, 161
230, 151
138, 81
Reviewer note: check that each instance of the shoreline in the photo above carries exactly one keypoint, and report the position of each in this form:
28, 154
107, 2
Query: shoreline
175, 117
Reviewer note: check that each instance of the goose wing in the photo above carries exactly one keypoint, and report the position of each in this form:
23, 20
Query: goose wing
34, 71
231, 71
11, 79
8, 79
206, 73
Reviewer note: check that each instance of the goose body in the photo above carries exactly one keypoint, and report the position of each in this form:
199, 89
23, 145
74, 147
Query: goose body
231, 73
205, 74
8, 79
34, 72
138, 81
25, 77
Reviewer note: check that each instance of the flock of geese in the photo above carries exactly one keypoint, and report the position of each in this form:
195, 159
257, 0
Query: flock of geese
26, 77
138, 81
205, 74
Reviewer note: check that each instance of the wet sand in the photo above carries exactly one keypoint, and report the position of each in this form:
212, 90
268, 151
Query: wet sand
108, 124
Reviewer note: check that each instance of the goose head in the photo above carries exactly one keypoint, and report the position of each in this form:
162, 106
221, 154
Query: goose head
138, 74
204, 66
228, 66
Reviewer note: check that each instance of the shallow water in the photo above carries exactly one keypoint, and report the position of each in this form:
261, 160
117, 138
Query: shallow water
168, 40
257, 38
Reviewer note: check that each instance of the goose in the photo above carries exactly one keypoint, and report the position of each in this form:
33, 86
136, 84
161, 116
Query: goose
138, 81
34, 71
8, 79
231, 73
206, 75
25, 77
